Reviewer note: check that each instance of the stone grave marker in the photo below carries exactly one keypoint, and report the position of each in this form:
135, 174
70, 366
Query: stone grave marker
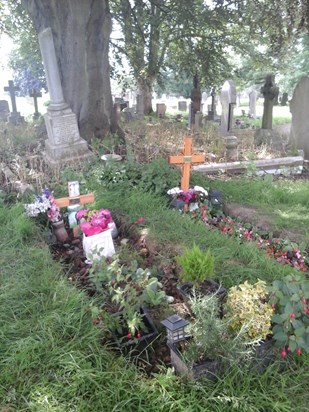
300, 120
161, 109
204, 97
35, 94
182, 106
228, 101
4, 110
252, 104
14, 117
64, 142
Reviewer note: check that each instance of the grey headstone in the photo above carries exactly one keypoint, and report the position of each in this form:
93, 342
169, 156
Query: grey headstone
228, 101
4, 110
64, 143
182, 106
161, 109
300, 119
252, 103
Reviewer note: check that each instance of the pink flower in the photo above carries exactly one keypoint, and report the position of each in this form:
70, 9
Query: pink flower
90, 230
82, 214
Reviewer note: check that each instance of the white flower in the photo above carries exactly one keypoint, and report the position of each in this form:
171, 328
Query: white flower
200, 189
174, 191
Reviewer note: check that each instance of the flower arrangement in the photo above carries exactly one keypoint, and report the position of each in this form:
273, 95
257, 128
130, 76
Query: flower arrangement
196, 194
93, 222
44, 203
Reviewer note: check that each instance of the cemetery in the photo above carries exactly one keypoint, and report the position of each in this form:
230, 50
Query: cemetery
151, 260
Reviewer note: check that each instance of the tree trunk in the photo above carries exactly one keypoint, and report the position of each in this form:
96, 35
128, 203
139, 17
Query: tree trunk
81, 31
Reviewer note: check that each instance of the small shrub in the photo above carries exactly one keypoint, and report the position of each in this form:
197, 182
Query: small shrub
196, 265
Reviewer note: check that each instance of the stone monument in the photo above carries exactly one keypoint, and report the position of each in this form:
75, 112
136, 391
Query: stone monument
35, 94
299, 137
252, 104
14, 117
228, 101
266, 134
64, 143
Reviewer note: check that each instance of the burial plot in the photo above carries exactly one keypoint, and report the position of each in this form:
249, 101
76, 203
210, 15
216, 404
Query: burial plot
299, 136
228, 101
64, 143
14, 117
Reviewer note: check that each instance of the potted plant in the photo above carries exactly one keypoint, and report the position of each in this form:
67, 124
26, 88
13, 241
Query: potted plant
211, 345
45, 203
128, 289
197, 269
289, 298
98, 231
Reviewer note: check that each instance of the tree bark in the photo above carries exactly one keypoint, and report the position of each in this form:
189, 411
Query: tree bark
81, 31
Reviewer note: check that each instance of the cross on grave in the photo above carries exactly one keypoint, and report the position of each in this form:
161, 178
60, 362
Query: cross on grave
12, 89
74, 198
33, 93
186, 159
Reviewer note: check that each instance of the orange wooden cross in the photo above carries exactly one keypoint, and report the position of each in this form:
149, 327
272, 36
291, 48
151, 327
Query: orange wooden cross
75, 199
185, 160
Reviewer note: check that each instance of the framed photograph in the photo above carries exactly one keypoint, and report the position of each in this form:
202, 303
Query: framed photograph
74, 188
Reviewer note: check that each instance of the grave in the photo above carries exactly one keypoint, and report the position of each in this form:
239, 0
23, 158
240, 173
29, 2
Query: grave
252, 103
161, 109
64, 143
35, 94
14, 117
4, 110
300, 120
228, 101
182, 106
266, 134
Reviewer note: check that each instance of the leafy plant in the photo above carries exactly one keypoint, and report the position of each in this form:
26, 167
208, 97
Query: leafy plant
212, 336
196, 265
290, 300
246, 305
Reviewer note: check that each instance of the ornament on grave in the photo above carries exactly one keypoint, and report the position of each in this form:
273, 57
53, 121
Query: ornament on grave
14, 117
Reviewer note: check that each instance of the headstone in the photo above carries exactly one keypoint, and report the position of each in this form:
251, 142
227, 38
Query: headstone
266, 135
269, 92
4, 110
228, 101
198, 121
300, 119
252, 103
64, 143
35, 96
204, 97
161, 109
182, 106
284, 99
14, 117
231, 148
196, 98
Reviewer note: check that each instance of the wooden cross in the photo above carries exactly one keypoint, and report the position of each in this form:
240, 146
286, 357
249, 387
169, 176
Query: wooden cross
185, 160
35, 95
12, 89
74, 198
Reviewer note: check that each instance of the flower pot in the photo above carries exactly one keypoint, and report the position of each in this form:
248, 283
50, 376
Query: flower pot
59, 231
98, 246
209, 369
147, 337
208, 287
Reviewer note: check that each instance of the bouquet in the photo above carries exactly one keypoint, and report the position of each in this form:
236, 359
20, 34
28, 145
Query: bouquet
93, 222
44, 204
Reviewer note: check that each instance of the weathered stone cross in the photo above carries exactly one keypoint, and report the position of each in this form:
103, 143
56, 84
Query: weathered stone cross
35, 95
12, 89
74, 198
185, 160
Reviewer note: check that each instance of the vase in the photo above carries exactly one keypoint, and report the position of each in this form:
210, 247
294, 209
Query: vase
59, 231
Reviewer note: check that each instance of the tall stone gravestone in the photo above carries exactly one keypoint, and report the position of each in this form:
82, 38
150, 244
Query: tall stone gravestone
252, 104
4, 110
228, 101
300, 120
64, 143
